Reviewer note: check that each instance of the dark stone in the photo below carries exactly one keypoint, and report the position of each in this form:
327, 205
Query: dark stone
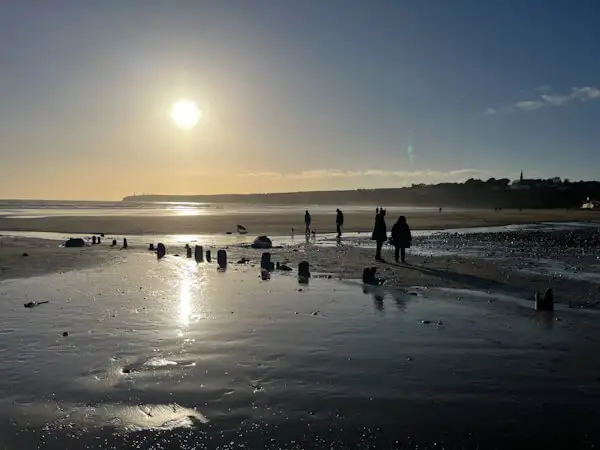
98, 241
188, 251
265, 274
222, 258
303, 272
266, 263
545, 302
93, 240
25, 254
199, 253
283, 267
262, 242
369, 276
243, 260
208, 256
74, 242
114, 243
125, 243
151, 247
65, 333
161, 250
304, 269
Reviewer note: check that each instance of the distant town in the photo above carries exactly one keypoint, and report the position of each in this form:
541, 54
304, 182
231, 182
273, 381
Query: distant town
494, 193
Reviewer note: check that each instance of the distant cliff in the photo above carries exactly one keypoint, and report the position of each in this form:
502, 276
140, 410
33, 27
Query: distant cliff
471, 194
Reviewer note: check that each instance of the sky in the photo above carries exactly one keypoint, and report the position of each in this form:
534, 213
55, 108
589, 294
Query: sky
295, 95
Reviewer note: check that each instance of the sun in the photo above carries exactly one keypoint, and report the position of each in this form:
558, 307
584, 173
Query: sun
186, 114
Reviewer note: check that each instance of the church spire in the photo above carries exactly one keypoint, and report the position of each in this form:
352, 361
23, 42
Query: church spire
521, 179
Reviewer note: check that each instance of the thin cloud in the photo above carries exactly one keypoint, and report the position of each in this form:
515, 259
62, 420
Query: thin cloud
548, 99
529, 105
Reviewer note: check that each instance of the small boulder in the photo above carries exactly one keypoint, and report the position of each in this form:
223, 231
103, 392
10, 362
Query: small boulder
65, 334
25, 254
188, 251
262, 242
283, 267
545, 302
151, 247
74, 242
114, 243
125, 245
208, 256
370, 278
161, 250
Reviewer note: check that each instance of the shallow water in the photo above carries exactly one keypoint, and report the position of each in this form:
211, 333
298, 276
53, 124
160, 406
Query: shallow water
28, 209
171, 354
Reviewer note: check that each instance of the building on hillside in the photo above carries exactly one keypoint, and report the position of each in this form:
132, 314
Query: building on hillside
591, 204
520, 184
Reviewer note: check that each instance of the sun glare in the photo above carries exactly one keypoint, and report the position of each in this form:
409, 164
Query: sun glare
185, 114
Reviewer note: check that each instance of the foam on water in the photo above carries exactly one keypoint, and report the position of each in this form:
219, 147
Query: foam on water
159, 347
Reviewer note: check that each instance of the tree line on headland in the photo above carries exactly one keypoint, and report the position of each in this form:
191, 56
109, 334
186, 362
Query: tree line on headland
473, 193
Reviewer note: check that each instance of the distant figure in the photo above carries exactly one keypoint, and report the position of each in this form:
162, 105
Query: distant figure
440, 210
307, 221
379, 232
339, 222
401, 238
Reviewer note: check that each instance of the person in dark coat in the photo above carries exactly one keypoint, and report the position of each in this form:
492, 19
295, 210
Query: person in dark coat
307, 221
339, 222
401, 238
379, 233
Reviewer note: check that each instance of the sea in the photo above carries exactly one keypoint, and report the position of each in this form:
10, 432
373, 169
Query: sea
44, 208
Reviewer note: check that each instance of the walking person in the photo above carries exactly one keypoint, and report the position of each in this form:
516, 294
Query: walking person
307, 221
401, 238
379, 232
339, 222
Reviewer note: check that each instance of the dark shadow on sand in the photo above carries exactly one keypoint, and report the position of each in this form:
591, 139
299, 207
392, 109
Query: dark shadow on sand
473, 281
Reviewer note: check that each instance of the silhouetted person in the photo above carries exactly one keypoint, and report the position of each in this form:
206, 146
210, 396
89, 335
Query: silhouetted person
401, 238
307, 221
379, 232
339, 222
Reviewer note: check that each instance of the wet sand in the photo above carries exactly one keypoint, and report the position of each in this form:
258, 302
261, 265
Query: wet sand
281, 224
45, 256
174, 354
517, 263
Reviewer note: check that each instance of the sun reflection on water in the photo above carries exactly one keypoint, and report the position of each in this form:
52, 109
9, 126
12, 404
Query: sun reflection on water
190, 307
185, 307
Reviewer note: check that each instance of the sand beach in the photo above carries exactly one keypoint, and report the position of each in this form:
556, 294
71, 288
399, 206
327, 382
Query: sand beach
136, 352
